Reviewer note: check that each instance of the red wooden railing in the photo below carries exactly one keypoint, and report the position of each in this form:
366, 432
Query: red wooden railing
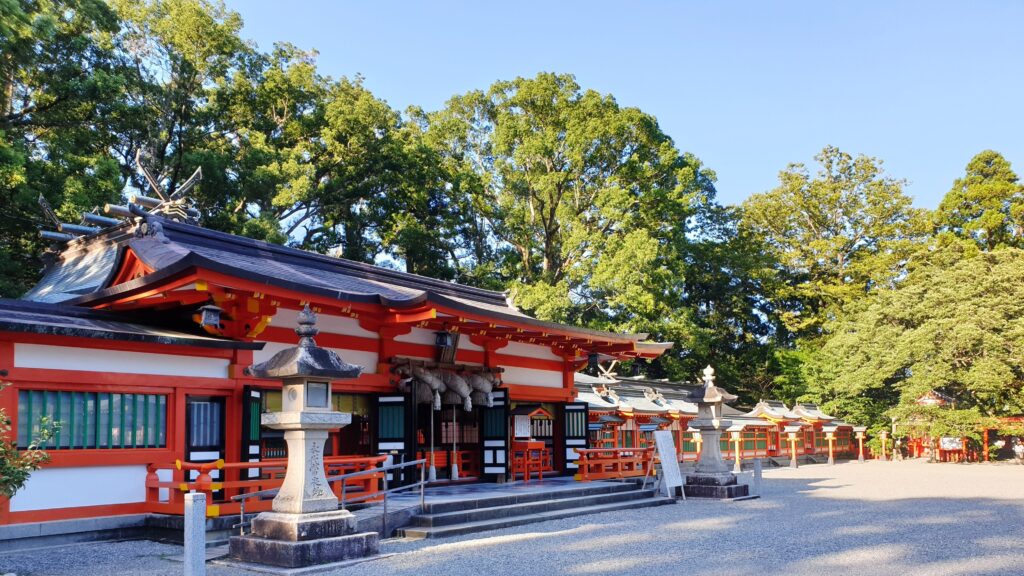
167, 497
467, 460
606, 463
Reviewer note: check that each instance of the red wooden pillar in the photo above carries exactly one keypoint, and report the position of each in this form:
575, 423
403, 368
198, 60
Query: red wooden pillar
240, 360
984, 444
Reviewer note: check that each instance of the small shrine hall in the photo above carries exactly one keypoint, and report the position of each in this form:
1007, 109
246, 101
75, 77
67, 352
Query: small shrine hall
624, 412
137, 336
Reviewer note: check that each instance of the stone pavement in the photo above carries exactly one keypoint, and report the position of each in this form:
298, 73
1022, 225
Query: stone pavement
886, 518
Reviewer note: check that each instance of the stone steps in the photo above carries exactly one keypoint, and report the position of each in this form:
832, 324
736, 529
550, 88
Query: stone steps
575, 490
472, 519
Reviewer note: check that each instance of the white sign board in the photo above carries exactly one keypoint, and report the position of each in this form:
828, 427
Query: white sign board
951, 443
671, 477
522, 426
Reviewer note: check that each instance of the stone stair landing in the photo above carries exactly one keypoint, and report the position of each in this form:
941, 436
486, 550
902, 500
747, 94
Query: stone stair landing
510, 505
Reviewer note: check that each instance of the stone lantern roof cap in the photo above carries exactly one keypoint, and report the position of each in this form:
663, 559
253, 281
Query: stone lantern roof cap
306, 359
709, 393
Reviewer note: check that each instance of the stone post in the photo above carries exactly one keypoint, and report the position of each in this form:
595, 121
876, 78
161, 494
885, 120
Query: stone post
883, 437
195, 534
757, 476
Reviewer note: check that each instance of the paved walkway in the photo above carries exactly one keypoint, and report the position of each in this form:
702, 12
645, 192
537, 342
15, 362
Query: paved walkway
886, 518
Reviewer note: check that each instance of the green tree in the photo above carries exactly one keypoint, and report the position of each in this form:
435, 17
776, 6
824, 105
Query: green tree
61, 89
986, 205
179, 51
727, 281
952, 324
837, 235
587, 202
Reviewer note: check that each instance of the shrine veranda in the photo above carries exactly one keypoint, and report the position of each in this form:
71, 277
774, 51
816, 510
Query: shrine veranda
137, 336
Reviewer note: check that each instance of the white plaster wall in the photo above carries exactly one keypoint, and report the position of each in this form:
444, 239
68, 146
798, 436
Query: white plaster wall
325, 322
96, 360
529, 351
532, 377
368, 360
81, 486
465, 344
419, 336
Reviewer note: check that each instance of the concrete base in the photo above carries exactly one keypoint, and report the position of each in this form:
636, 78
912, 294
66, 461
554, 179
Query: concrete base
298, 540
288, 554
718, 486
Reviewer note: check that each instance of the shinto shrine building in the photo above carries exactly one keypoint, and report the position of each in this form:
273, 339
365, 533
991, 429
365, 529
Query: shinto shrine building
137, 336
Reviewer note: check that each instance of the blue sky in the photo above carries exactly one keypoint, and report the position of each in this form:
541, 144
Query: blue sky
747, 87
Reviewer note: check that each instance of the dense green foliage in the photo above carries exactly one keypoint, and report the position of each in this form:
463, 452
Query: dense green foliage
830, 287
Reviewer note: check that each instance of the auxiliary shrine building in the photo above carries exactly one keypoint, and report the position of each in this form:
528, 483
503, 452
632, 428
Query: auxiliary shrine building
137, 336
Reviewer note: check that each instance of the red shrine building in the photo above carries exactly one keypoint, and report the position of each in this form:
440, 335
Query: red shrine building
624, 412
137, 337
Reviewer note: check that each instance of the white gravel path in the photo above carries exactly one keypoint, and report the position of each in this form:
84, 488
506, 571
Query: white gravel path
891, 518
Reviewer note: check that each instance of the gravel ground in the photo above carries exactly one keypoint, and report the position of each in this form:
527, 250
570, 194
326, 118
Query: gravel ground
907, 518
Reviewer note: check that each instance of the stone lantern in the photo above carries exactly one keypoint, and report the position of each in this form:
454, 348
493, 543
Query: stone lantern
305, 526
830, 436
791, 432
860, 430
712, 478
884, 437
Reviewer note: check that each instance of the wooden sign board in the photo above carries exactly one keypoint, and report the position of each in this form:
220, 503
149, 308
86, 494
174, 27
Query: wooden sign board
672, 478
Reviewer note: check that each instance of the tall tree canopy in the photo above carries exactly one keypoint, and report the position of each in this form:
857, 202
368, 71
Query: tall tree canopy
836, 235
586, 201
986, 205
955, 323
62, 88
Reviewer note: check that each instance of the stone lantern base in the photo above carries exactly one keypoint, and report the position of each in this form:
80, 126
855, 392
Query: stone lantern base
720, 486
300, 540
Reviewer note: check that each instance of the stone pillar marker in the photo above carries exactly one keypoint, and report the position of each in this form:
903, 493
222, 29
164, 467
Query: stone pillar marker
195, 534
305, 526
712, 478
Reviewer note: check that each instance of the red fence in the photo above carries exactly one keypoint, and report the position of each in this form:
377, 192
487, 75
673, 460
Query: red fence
167, 496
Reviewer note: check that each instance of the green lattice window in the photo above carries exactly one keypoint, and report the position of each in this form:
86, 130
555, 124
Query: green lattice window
392, 424
94, 420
